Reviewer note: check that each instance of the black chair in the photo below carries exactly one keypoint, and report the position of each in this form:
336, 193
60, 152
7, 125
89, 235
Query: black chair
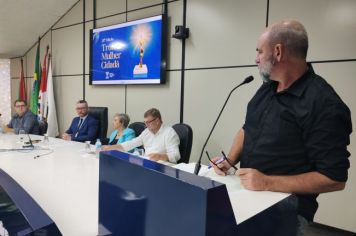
42, 127
101, 114
185, 134
138, 127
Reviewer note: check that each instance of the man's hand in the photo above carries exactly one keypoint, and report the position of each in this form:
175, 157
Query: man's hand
105, 148
8, 130
252, 179
66, 136
220, 168
310, 182
112, 147
158, 156
108, 147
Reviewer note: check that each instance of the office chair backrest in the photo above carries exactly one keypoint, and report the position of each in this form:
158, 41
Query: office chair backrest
185, 134
42, 125
101, 114
138, 127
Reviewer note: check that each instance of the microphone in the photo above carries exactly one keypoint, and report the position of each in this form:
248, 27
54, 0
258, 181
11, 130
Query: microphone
30, 145
198, 165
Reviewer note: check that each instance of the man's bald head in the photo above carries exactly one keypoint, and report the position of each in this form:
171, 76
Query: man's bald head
292, 35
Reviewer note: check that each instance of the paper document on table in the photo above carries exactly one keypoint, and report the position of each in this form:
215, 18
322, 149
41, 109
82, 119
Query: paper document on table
245, 203
185, 167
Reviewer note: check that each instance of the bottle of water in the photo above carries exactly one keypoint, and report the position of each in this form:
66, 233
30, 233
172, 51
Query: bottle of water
97, 147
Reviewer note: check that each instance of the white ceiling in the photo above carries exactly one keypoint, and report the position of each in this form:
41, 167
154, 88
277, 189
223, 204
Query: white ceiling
23, 21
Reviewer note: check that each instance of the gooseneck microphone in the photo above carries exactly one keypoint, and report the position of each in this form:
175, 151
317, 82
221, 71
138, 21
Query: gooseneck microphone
198, 165
30, 144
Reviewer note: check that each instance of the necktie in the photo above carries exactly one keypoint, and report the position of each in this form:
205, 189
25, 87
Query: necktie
78, 128
80, 123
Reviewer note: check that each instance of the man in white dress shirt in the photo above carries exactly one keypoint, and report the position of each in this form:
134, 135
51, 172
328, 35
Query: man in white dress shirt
161, 142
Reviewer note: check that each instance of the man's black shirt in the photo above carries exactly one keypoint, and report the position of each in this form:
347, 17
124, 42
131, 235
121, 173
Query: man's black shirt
302, 129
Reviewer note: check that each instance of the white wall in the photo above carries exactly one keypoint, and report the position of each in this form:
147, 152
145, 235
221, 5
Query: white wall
223, 34
5, 92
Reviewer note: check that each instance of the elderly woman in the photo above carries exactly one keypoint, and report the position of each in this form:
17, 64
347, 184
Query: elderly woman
121, 133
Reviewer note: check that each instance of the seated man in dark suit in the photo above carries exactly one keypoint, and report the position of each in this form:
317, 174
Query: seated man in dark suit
83, 127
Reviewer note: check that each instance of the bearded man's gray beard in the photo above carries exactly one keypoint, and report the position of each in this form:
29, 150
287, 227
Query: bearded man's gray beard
265, 71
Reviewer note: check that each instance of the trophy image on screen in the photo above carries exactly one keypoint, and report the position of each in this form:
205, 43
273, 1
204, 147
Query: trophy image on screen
141, 37
140, 70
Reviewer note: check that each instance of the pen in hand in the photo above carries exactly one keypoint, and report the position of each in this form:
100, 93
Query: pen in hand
217, 162
214, 163
228, 161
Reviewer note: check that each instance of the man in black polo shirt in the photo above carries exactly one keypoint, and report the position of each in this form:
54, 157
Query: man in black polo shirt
297, 128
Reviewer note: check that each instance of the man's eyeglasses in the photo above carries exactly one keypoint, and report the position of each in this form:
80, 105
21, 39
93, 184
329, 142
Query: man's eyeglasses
80, 108
149, 122
18, 106
224, 158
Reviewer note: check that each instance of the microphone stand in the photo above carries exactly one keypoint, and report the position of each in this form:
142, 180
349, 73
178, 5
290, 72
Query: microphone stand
30, 141
198, 165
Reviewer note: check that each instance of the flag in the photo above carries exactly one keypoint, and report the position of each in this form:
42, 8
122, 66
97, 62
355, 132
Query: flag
36, 82
42, 96
22, 89
52, 130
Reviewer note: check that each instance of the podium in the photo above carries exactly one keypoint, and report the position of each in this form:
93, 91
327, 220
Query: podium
141, 197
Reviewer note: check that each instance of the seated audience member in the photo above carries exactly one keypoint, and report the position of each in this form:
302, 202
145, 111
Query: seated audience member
84, 127
23, 119
121, 133
161, 142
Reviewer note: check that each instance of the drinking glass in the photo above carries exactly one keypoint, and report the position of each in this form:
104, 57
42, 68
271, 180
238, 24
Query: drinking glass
45, 139
87, 147
22, 134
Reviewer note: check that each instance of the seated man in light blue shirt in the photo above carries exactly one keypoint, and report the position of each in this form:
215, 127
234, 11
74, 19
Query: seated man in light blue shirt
23, 119
161, 142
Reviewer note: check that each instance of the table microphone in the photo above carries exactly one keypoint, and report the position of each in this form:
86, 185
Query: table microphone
30, 143
198, 165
